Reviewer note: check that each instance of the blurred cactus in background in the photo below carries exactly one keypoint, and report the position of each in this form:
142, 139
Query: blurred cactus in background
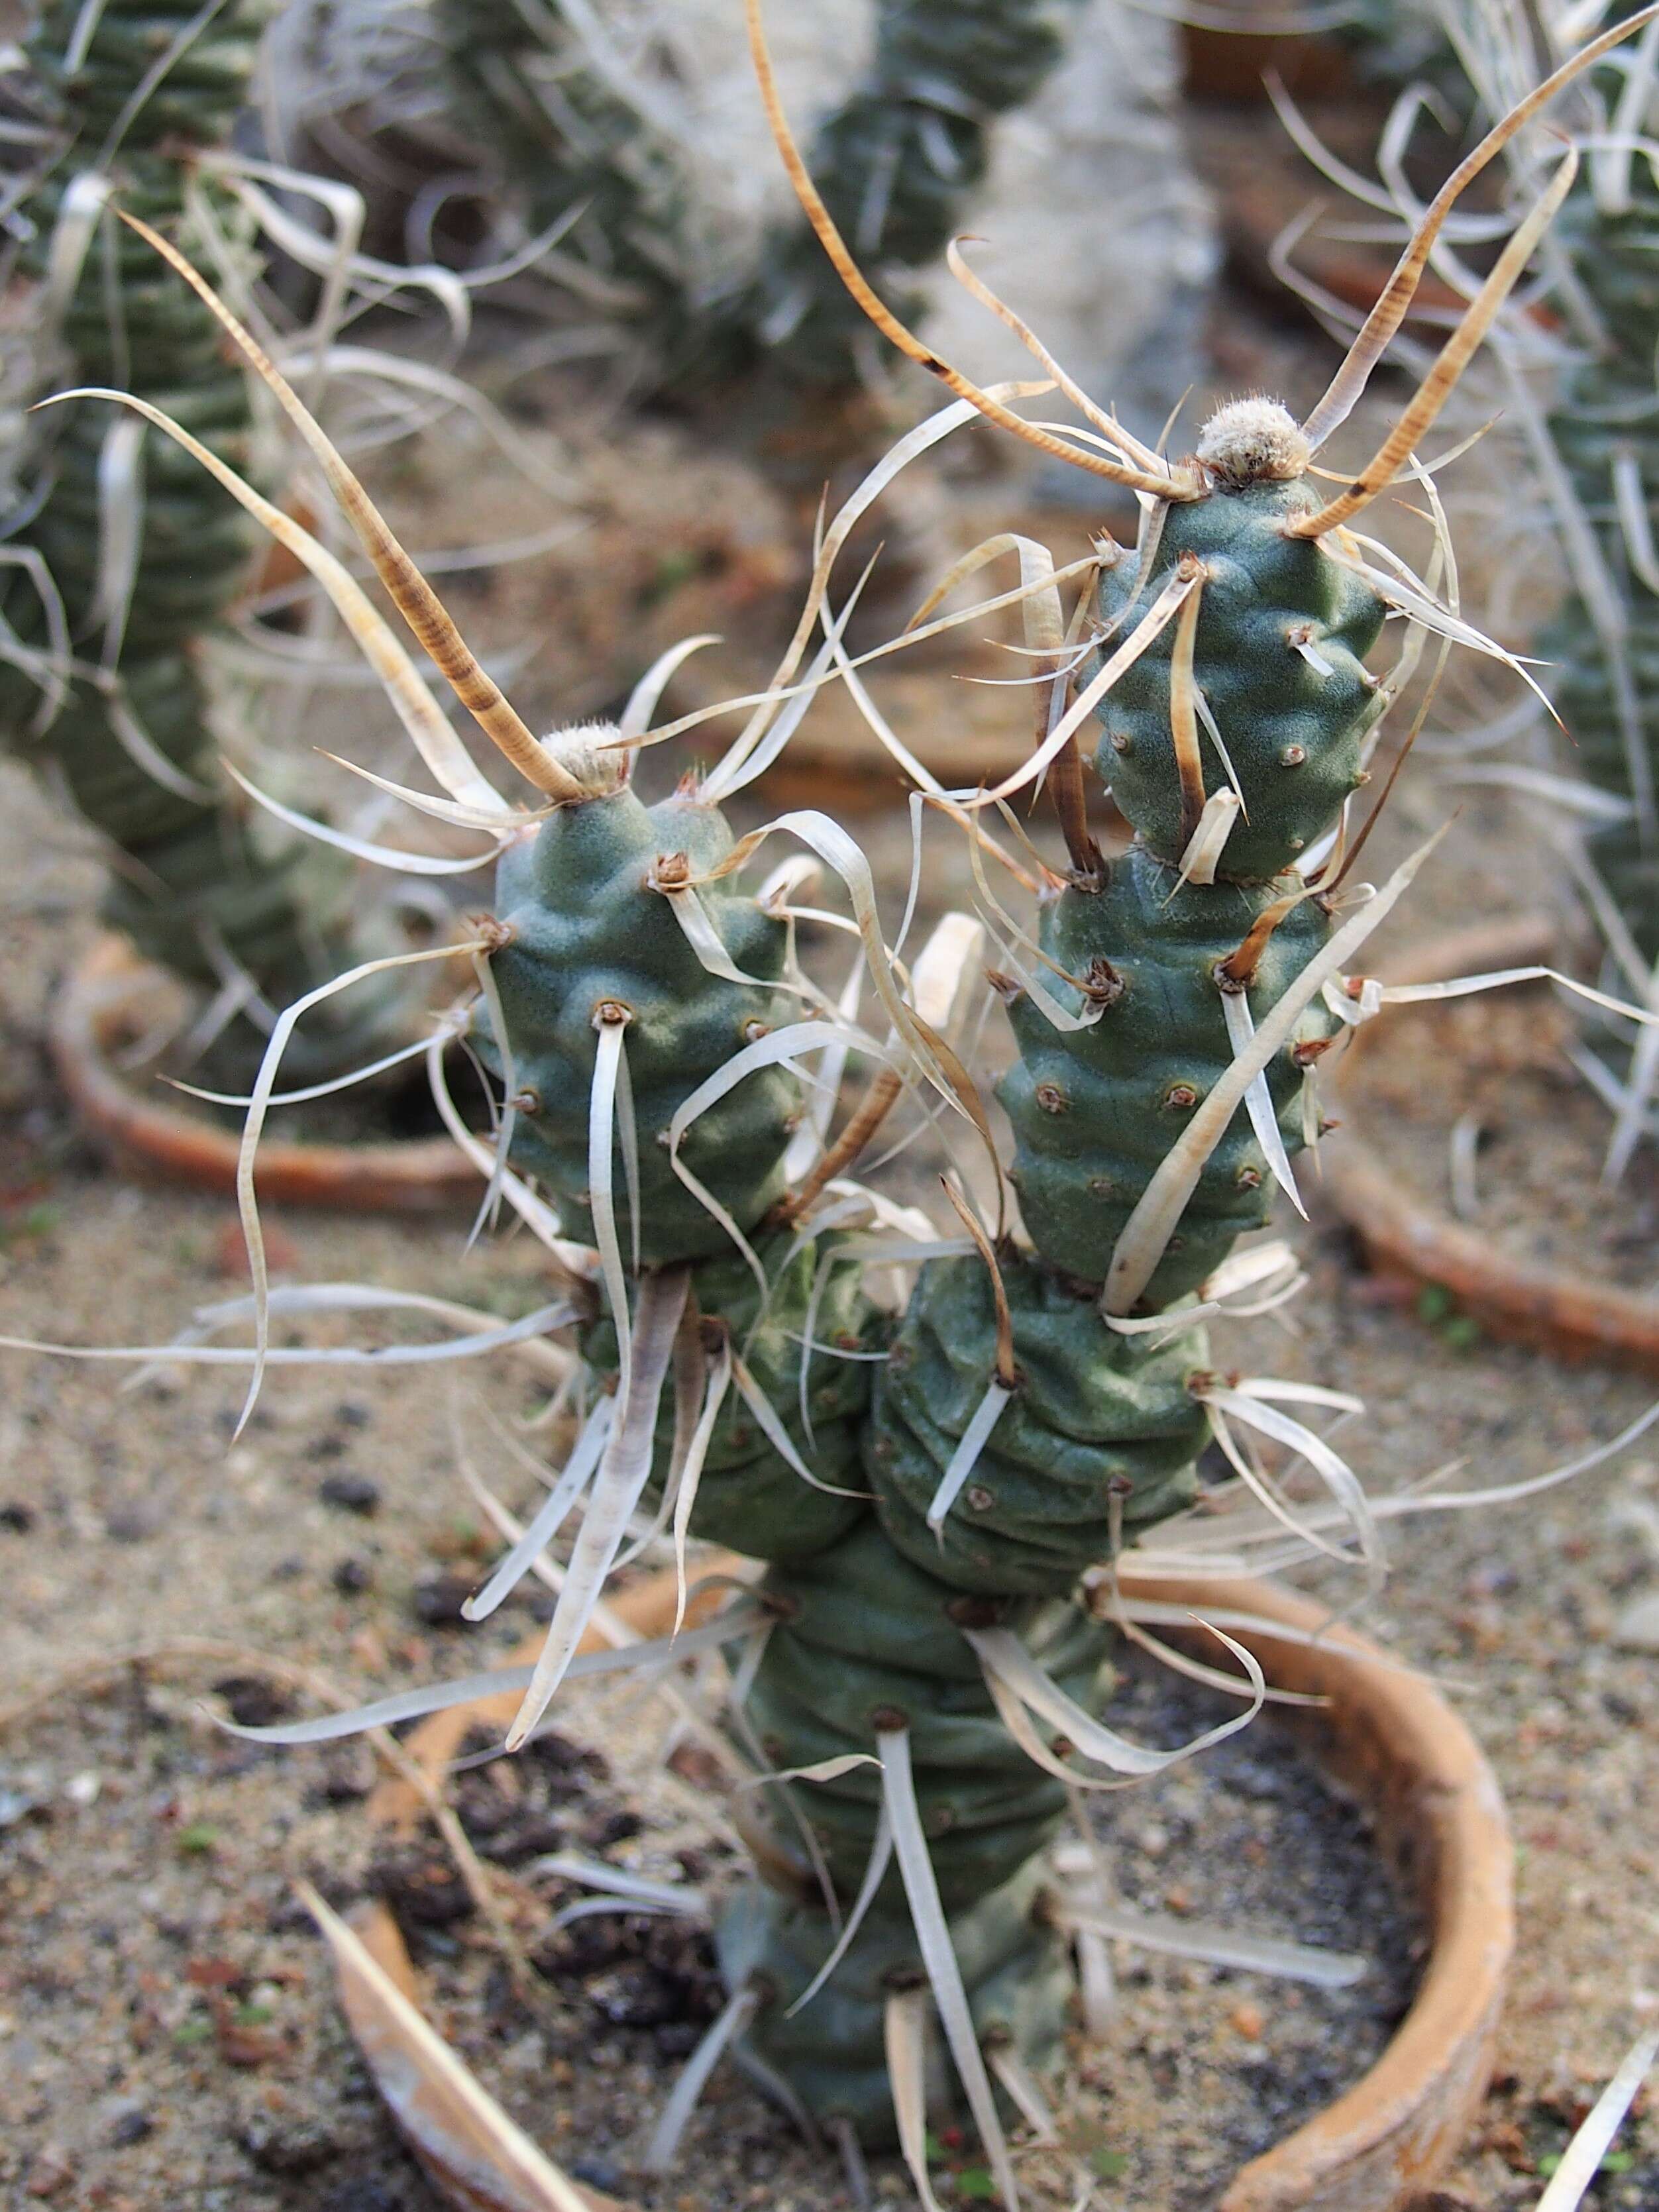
124, 553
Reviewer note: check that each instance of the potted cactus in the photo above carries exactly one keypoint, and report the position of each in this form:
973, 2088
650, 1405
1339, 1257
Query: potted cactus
948, 1528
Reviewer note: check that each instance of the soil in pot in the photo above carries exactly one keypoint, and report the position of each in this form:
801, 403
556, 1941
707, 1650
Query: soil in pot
172, 2023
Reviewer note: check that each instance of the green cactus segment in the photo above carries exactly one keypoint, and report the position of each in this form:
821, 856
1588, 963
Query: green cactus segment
201, 76
748, 1496
1015, 1967
200, 882
1095, 1111
588, 932
1282, 632
896, 162
866, 1640
1607, 409
870, 1640
1100, 1425
127, 321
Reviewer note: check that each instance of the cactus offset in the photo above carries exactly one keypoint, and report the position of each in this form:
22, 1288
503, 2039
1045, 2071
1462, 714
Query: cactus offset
897, 161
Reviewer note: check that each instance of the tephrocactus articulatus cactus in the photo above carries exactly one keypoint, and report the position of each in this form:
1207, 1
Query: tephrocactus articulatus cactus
136, 554
924, 1657
1015, 1436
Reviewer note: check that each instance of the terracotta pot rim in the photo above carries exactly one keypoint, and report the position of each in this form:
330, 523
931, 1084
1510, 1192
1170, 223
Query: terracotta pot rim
1395, 1743
151, 1133
1558, 1308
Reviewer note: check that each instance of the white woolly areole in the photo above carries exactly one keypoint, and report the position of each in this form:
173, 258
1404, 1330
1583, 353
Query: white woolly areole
582, 749
1252, 441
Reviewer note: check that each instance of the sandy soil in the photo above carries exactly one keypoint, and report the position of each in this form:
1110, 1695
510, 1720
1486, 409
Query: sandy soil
167, 2031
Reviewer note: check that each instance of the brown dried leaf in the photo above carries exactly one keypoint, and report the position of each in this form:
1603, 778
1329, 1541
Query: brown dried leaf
476, 2156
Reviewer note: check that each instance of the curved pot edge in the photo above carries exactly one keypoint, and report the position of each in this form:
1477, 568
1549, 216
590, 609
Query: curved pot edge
1555, 1309
1394, 2131
1393, 1741
427, 1174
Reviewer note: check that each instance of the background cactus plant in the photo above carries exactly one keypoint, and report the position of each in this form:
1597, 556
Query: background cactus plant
1587, 395
130, 554
897, 161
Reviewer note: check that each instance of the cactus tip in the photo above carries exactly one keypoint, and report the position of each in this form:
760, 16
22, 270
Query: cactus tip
1253, 440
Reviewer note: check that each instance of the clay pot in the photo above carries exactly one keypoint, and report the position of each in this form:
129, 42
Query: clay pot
1524, 1301
150, 1133
1386, 1737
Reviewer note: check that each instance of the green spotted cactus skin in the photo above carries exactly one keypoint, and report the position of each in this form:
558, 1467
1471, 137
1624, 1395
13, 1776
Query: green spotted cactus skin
1095, 1111
1293, 731
750, 1497
588, 931
896, 162
1607, 405
867, 1640
202, 874
1100, 1424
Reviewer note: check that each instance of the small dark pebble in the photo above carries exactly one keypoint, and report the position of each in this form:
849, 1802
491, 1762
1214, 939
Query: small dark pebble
254, 1702
325, 1448
17, 1517
132, 2124
597, 2172
612, 1828
678, 2039
352, 1578
347, 1774
352, 1413
289, 1570
364, 2192
437, 1600
637, 1995
351, 1493
290, 2143
422, 1889
132, 1522
559, 1755
524, 1838
290, 1917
